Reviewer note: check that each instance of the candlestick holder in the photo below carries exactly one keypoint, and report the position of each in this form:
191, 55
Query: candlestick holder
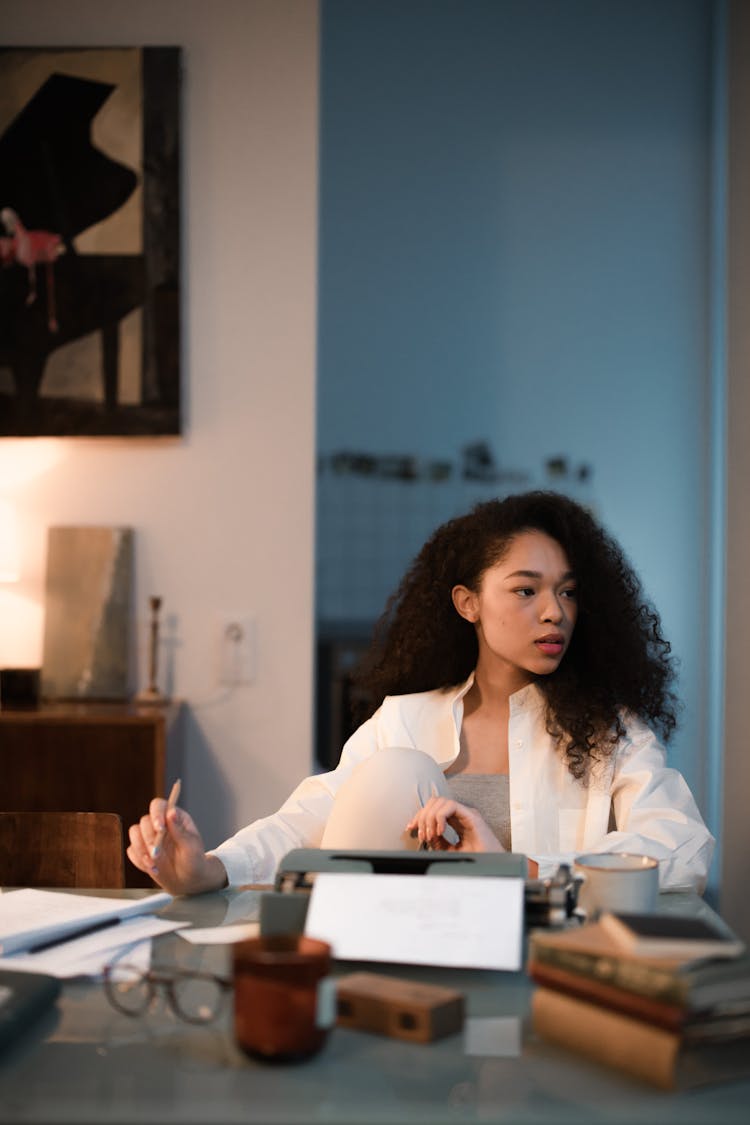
151, 694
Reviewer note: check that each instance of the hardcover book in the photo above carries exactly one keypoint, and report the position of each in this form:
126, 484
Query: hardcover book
653, 1054
661, 1012
670, 935
591, 959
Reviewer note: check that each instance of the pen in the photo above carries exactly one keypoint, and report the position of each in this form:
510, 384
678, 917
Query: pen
52, 942
172, 800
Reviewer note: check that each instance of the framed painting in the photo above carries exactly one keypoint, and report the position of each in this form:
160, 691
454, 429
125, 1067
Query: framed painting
89, 241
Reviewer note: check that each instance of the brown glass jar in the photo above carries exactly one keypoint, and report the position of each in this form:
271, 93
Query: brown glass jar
280, 1013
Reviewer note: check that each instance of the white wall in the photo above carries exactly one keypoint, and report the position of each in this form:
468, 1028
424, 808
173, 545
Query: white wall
223, 515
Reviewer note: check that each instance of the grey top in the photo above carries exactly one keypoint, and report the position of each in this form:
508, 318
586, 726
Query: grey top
489, 794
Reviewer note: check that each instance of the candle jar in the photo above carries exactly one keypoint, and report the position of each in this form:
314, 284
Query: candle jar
284, 999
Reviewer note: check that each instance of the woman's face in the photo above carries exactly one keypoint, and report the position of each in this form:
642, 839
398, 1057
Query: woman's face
524, 611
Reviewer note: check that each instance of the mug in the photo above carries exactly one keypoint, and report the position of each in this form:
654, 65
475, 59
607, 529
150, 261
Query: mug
284, 998
616, 882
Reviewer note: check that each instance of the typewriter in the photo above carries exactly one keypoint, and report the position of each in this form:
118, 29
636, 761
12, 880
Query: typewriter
551, 901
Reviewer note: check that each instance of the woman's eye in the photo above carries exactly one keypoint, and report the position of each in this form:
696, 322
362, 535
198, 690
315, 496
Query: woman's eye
571, 592
524, 592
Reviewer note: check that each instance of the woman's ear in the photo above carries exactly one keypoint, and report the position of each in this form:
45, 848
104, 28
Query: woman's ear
466, 603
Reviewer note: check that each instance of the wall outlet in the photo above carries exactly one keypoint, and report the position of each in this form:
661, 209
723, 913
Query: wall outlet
237, 642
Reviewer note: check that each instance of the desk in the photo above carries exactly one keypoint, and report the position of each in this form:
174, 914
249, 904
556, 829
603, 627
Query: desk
89, 1064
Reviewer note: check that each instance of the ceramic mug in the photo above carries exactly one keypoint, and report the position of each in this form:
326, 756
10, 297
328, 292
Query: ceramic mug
284, 999
616, 881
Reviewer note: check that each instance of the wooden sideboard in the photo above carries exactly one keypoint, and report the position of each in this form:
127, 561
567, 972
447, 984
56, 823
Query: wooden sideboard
89, 757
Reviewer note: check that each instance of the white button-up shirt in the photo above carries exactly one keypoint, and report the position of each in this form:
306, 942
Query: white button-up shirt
631, 802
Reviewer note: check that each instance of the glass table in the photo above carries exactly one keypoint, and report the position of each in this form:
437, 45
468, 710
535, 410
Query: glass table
86, 1063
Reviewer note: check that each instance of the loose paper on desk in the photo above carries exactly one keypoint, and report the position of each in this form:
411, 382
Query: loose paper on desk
460, 921
29, 917
222, 935
127, 942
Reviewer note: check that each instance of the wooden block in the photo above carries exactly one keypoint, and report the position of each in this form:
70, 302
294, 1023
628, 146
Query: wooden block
403, 1009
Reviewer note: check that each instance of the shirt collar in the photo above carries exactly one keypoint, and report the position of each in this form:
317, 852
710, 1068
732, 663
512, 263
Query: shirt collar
529, 696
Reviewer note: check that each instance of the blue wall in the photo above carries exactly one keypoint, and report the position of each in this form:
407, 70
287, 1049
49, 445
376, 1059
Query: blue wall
515, 247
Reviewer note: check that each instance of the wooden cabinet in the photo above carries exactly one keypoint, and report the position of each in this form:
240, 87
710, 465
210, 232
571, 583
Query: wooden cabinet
89, 757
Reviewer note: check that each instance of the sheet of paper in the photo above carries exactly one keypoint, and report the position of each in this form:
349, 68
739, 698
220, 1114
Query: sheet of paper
461, 921
87, 956
29, 916
222, 935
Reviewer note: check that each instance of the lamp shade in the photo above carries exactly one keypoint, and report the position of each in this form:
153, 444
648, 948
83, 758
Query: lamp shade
10, 552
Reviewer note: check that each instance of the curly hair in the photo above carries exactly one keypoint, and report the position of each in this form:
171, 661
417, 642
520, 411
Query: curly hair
617, 658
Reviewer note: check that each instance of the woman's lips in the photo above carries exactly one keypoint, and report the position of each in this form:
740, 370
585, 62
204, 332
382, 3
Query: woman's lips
552, 645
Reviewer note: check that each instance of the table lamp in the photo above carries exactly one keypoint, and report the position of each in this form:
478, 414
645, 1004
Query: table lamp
10, 553
19, 687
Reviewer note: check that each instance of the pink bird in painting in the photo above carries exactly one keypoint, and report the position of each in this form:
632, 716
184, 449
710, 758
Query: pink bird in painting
7, 251
29, 248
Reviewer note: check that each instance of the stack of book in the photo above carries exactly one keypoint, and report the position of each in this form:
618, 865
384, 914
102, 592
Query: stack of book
665, 1008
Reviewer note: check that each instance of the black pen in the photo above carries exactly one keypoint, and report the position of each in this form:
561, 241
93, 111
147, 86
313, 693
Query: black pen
50, 943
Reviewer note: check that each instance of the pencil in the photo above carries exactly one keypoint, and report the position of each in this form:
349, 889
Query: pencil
172, 799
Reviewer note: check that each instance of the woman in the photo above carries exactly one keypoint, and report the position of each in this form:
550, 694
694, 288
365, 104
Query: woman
518, 682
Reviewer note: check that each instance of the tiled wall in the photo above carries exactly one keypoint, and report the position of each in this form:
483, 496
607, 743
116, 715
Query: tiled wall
369, 529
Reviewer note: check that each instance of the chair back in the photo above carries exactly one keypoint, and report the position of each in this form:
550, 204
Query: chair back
61, 849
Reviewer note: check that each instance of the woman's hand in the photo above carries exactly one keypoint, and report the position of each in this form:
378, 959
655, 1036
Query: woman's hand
473, 833
181, 865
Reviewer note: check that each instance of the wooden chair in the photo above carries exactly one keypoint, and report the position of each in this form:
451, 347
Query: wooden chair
61, 849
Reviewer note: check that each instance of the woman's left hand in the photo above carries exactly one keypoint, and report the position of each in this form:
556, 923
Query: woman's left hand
473, 833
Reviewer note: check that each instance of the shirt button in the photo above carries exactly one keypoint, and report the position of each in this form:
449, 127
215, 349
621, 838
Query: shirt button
517, 806
519, 742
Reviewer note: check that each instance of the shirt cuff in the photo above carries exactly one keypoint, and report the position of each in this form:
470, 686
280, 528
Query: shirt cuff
237, 863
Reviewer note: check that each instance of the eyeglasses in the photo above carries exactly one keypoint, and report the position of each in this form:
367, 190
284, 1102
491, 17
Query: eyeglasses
194, 997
